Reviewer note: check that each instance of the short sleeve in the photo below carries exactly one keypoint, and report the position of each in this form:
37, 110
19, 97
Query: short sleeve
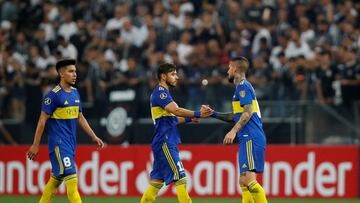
80, 104
245, 97
49, 103
163, 98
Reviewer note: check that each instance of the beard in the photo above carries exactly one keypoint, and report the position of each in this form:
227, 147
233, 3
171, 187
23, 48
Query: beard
170, 85
70, 83
231, 79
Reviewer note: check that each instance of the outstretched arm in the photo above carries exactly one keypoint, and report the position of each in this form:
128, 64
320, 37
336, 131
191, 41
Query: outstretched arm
182, 120
244, 118
34, 149
86, 127
227, 117
173, 108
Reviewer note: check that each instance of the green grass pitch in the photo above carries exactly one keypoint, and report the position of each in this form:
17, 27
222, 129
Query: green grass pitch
34, 199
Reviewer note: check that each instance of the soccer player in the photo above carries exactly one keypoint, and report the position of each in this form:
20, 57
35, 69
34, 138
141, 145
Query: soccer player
62, 111
248, 130
166, 115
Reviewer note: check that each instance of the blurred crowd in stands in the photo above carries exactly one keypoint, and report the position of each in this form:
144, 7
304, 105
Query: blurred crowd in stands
299, 49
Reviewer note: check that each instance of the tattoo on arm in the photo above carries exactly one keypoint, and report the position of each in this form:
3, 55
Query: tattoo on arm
227, 117
244, 118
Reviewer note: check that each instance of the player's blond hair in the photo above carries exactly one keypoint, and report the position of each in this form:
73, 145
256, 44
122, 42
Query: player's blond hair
241, 62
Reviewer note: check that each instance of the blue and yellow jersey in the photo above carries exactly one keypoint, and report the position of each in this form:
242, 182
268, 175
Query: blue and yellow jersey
63, 108
245, 94
164, 121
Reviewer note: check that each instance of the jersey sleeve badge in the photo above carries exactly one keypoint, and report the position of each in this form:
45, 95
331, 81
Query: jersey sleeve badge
163, 96
242, 93
47, 101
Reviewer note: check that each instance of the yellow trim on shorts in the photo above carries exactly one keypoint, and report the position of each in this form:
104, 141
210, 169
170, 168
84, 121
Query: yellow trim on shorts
170, 161
58, 157
250, 155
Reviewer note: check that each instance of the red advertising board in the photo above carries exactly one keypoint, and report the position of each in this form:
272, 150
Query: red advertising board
212, 170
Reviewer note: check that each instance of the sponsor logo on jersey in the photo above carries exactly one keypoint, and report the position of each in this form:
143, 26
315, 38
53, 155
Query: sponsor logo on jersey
163, 95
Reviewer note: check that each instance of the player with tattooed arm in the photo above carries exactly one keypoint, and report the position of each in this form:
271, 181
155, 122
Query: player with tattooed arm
248, 129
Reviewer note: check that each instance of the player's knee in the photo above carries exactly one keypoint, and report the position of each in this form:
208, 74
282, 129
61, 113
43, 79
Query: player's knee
246, 178
242, 182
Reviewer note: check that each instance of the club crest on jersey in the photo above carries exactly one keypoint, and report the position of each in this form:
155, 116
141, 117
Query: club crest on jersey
47, 101
163, 95
242, 93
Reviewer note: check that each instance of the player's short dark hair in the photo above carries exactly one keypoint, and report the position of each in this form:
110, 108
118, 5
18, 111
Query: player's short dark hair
165, 68
64, 62
241, 62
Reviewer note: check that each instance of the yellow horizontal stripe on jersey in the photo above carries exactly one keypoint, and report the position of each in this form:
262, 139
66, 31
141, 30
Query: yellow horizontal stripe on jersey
70, 112
158, 112
237, 108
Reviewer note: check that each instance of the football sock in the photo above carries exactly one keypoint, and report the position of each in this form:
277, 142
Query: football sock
50, 189
71, 182
246, 196
181, 191
150, 194
257, 192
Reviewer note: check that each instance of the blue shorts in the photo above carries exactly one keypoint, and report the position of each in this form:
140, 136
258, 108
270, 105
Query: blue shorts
62, 163
167, 164
251, 156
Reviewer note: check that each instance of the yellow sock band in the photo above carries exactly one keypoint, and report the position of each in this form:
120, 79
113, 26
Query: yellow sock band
157, 184
257, 192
